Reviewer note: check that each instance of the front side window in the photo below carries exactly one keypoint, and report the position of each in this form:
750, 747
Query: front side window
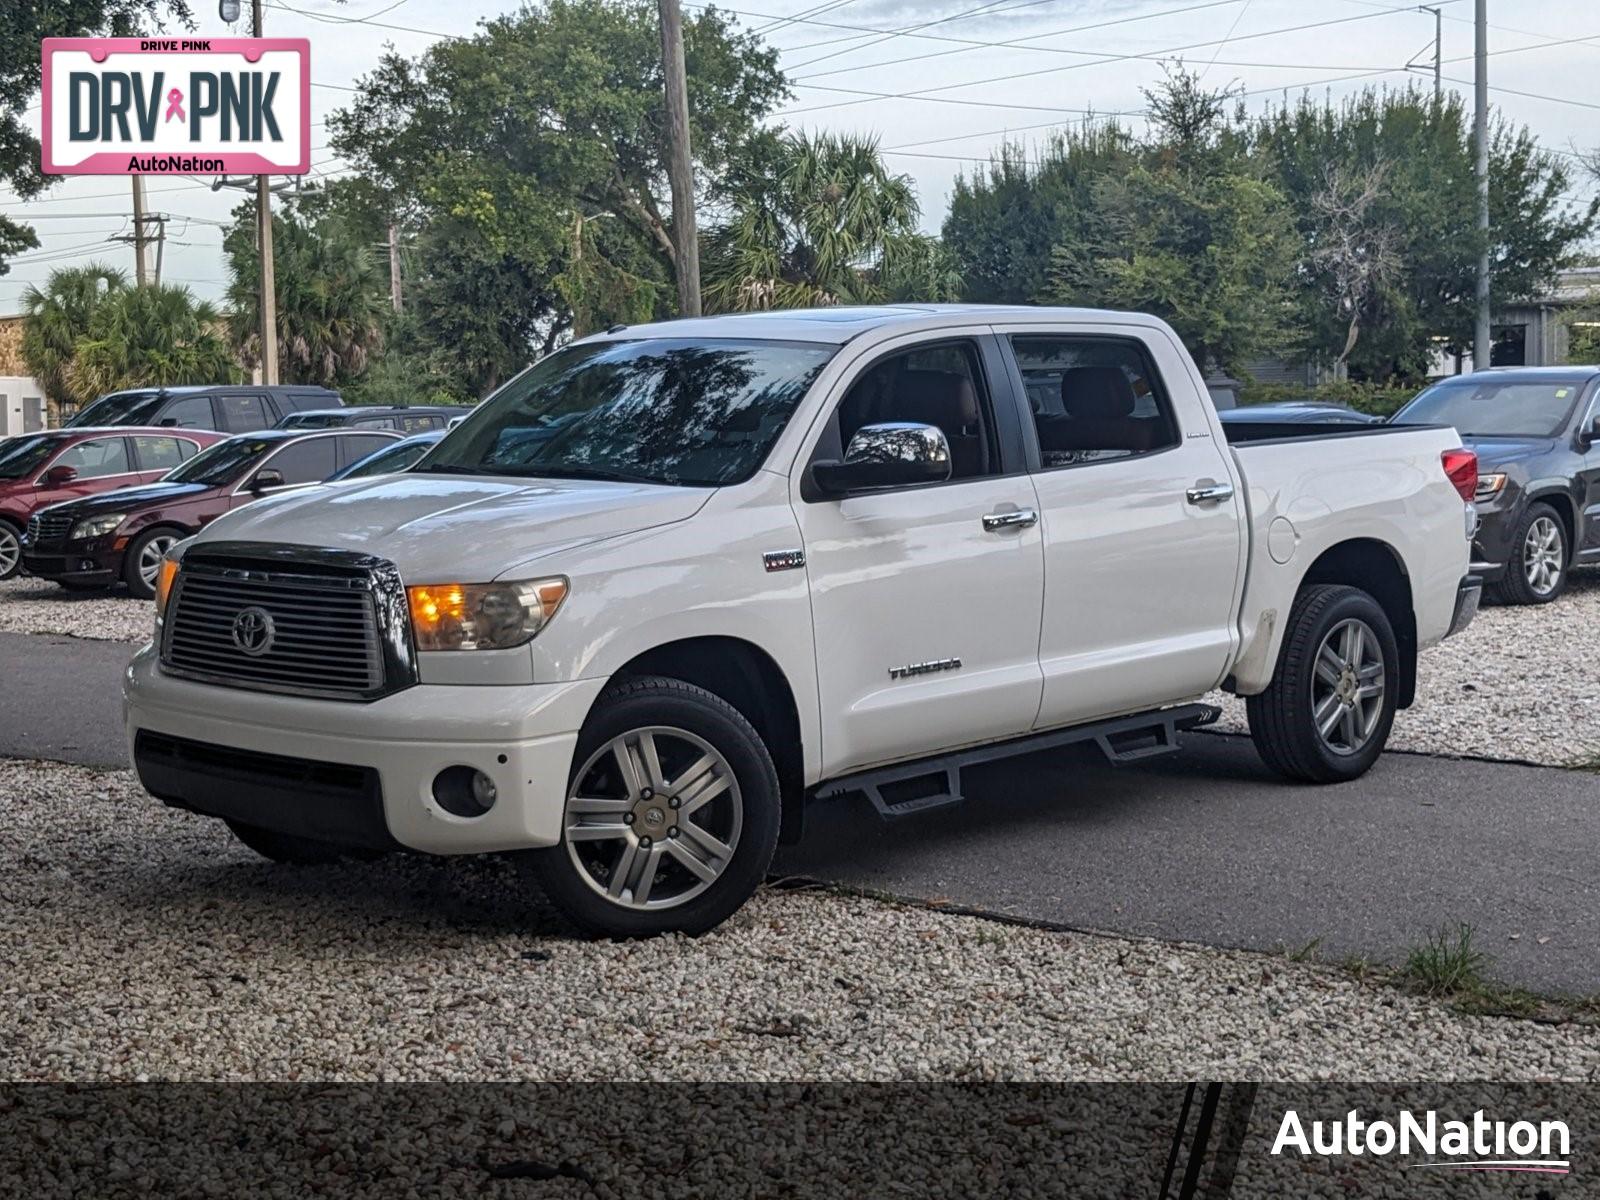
96, 459
1093, 398
940, 385
1491, 407
191, 412
222, 463
696, 412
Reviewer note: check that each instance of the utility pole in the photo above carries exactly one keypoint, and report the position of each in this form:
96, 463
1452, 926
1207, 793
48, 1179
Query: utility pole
394, 268
1438, 47
140, 275
269, 295
1481, 339
680, 165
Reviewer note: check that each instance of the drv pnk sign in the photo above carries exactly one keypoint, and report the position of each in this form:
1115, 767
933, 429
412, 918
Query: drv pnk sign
177, 106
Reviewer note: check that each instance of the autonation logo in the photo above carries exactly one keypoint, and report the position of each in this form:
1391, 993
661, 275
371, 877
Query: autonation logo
1479, 1144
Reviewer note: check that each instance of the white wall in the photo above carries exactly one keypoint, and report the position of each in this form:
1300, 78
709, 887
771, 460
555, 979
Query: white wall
22, 407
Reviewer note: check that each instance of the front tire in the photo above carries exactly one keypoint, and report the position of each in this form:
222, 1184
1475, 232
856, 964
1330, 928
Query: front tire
1537, 572
142, 562
10, 550
1326, 716
671, 817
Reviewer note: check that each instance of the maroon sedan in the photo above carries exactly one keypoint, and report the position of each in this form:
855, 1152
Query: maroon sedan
123, 535
41, 469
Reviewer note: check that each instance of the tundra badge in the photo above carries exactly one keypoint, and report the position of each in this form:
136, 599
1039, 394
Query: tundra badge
784, 560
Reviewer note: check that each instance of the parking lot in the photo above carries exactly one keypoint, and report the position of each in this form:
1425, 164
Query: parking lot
1227, 910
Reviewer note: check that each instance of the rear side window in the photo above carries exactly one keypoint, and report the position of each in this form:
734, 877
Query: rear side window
190, 412
1093, 399
243, 414
160, 453
374, 423
97, 459
358, 445
421, 424
310, 461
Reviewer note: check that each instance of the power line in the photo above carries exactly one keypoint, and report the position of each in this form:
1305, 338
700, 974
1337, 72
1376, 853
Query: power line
891, 34
1232, 29
1155, 56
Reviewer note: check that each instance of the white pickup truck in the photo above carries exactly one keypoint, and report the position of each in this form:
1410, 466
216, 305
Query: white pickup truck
675, 580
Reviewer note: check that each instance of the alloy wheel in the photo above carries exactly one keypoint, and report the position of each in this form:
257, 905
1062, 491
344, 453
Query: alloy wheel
653, 818
10, 551
1542, 555
1348, 686
150, 557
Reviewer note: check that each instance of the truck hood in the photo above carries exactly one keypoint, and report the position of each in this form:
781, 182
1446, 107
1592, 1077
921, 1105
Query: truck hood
439, 528
1498, 451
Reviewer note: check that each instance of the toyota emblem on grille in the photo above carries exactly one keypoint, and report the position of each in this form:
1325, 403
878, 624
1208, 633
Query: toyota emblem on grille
253, 631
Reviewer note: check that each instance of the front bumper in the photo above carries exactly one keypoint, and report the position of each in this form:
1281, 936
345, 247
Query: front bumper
76, 564
1469, 594
360, 774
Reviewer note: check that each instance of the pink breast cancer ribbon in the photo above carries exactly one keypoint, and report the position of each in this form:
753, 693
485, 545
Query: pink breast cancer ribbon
175, 105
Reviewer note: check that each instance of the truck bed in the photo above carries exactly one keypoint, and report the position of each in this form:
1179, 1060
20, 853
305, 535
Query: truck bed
1243, 433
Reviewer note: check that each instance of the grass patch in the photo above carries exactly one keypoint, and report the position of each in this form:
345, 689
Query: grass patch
1445, 964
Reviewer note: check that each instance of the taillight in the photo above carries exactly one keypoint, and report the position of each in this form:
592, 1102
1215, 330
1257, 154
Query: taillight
1461, 465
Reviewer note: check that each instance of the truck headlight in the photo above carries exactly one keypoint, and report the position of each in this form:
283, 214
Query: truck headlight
482, 616
93, 527
1489, 486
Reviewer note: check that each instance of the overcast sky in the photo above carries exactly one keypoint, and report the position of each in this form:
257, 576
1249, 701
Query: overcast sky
1061, 59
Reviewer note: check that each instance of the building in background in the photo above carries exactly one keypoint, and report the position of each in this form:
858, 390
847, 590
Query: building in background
23, 406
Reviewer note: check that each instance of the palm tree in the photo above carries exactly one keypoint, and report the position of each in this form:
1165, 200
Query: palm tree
157, 336
329, 294
834, 227
55, 318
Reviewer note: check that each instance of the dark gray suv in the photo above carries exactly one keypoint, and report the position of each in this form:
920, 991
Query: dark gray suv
244, 408
1536, 431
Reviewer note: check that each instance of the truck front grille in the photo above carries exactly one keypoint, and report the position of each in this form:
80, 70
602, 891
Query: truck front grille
46, 527
327, 626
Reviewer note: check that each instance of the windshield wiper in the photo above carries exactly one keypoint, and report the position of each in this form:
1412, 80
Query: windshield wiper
565, 471
453, 469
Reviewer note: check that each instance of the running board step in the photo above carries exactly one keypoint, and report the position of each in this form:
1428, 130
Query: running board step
926, 785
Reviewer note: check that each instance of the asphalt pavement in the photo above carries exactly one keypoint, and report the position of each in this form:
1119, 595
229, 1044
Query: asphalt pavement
1204, 846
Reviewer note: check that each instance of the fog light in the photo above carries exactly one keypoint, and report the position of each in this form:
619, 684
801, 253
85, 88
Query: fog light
464, 791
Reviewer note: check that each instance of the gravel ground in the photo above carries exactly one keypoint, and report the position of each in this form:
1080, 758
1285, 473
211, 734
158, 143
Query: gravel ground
29, 605
138, 943
1520, 683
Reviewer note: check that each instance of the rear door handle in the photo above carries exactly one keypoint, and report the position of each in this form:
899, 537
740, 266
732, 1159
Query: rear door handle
1209, 493
1019, 518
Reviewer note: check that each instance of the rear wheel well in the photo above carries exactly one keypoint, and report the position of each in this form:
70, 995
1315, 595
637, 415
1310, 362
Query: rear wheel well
1376, 569
746, 677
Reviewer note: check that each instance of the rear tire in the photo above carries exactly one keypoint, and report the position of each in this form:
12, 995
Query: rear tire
671, 817
1326, 716
1537, 570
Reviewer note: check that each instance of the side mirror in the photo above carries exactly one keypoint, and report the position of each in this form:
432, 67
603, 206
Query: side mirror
60, 476
266, 480
1590, 435
168, 423
896, 454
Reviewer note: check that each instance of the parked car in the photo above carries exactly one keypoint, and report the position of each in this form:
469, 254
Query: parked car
244, 408
417, 418
122, 535
773, 556
1534, 430
41, 469
1297, 412
398, 456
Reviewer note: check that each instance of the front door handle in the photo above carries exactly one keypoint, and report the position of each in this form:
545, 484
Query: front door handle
1018, 518
1209, 493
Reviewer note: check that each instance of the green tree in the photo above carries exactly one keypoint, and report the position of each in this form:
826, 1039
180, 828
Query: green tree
56, 317
1189, 232
832, 225
158, 336
331, 297
530, 159
22, 25
1424, 210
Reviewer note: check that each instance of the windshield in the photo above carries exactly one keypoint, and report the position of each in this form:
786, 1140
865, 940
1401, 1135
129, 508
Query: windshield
119, 408
25, 455
220, 464
695, 412
386, 461
1495, 407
